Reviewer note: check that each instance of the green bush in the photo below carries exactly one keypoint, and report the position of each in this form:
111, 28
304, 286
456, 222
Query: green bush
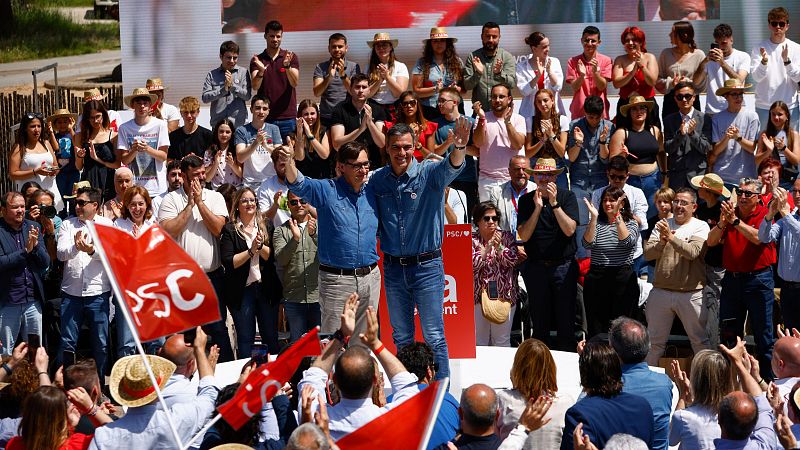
44, 33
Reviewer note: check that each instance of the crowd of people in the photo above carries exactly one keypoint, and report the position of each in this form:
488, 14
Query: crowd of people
600, 223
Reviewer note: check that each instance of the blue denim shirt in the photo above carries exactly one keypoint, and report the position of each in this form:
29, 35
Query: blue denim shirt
588, 171
656, 388
411, 206
347, 221
786, 231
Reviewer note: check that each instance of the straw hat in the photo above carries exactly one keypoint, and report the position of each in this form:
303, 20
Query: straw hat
545, 165
77, 185
382, 37
131, 386
712, 182
93, 94
495, 310
155, 84
439, 33
636, 100
139, 92
62, 112
731, 84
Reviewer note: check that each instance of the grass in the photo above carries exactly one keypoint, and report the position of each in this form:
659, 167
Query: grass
41, 33
88, 3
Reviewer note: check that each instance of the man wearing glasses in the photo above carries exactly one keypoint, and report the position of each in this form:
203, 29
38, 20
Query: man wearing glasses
734, 133
678, 246
588, 73
467, 180
347, 230
85, 287
786, 230
775, 66
685, 139
747, 287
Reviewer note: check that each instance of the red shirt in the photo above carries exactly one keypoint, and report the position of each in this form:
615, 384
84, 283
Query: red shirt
76, 441
741, 255
422, 138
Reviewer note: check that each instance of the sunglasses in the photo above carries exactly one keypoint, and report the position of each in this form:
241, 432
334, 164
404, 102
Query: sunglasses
488, 219
81, 202
408, 103
778, 24
297, 202
618, 177
747, 194
358, 166
683, 97
34, 115
735, 94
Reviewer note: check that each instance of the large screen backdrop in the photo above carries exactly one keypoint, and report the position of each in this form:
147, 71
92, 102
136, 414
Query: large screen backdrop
178, 41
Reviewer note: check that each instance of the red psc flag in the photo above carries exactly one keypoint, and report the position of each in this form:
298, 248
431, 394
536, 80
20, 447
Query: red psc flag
263, 383
407, 426
164, 288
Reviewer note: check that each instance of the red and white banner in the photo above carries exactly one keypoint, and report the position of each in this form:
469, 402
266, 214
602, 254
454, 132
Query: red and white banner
263, 383
408, 425
164, 288
459, 298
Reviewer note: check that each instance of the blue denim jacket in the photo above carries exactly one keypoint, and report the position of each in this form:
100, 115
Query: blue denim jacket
588, 171
411, 206
347, 221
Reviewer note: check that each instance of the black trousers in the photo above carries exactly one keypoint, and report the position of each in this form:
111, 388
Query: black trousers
609, 292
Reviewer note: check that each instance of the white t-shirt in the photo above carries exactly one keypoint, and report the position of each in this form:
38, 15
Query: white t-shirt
384, 95
715, 79
127, 226
266, 193
196, 239
170, 112
148, 172
563, 124
458, 203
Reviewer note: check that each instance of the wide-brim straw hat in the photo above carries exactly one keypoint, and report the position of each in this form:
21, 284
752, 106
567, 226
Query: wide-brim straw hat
62, 112
155, 84
131, 386
634, 101
439, 33
545, 165
382, 37
139, 92
93, 94
711, 182
731, 84
77, 185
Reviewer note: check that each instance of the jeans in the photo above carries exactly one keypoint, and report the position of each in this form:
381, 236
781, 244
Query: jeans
552, 291
649, 183
27, 316
790, 305
752, 295
286, 126
217, 331
255, 308
93, 309
301, 317
421, 286
126, 345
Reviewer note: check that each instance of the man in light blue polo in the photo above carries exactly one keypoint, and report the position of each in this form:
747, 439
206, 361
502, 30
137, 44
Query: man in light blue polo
410, 201
347, 226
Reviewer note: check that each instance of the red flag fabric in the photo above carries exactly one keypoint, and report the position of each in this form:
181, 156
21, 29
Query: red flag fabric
263, 383
407, 426
165, 290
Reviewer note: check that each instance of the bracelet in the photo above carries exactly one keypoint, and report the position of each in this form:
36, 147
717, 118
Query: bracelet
40, 374
461, 148
578, 143
761, 381
250, 252
310, 137
378, 350
721, 228
7, 368
602, 142
92, 412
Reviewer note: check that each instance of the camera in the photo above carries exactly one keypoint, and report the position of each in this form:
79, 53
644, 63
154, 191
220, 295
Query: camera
48, 211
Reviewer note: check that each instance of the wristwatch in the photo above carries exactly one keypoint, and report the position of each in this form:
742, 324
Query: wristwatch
736, 222
556, 206
738, 139
787, 62
553, 138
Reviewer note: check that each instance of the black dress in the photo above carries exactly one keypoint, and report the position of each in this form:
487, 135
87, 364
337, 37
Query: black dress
313, 165
98, 175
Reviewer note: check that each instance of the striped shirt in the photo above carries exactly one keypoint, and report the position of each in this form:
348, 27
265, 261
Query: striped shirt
608, 250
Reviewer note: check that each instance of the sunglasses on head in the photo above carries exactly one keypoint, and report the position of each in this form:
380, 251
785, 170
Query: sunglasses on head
296, 202
778, 23
34, 115
488, 219
684, 97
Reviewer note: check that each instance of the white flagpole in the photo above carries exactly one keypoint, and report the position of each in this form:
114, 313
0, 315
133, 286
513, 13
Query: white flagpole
202, 431
124, 309
437, 404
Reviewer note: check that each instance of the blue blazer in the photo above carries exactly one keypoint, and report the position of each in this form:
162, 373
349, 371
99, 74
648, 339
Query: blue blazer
11, 259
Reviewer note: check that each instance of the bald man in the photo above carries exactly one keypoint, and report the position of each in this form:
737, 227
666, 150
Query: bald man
745, 423
786, 363
179, 388
478, 413
123, 179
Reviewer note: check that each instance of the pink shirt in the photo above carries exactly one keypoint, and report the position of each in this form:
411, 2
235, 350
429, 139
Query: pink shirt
588, 88
496, 150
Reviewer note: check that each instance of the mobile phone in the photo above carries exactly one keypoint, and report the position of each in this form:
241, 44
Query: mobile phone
492, 288
67, 359
189, 335
34, 342
727, 333
259, 353
714, 45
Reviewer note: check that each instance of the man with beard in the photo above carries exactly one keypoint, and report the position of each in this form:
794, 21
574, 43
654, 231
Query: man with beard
194, 217
499, 135
332, 77
488, 66
174, 182
506, 196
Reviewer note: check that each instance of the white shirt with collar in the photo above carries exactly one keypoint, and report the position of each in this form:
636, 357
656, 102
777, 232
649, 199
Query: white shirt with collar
84, 275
